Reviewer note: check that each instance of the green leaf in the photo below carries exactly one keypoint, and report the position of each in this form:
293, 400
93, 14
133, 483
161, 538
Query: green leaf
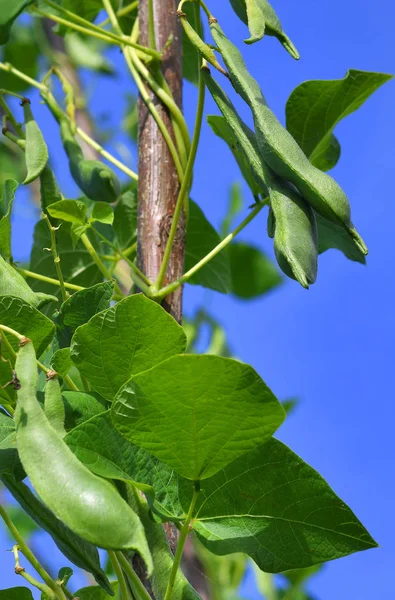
95, 592
80, 308
65, 574
12, 163
225, 573
6, 202
261, 18
9, 461
28, 321
78, 551
200, 240
7, 432
24, 524
102, 449
16, 593
9, 11
274, 507
87, 53
72, 211
103, 213
131, 118
77, 264
36, 151
253, 274
298, 576
333, 236
197, 413
49, 189
125, 219
132, 336
80, 407
61, 362
314, 109
22, 52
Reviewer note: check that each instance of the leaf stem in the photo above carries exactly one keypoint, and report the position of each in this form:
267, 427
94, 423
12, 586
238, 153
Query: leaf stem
123, 586
122, 12
39, 277
29, 554
56, 257
139, 591
45, 589
17, 126
181, 543
171, 287
5, 341
96, 258
185, 185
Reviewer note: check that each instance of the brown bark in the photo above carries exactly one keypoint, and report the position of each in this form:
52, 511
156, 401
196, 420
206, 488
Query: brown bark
158, 181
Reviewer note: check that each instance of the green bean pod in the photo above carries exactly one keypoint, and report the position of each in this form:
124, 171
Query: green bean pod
13, 284
36, 151
53, 404
88, 505
279, 149
195, 39
96, 180
295, 235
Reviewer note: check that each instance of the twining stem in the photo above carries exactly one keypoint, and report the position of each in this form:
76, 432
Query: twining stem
21, 571
168, 289
139, 591
185, 530
123, 586
151, 25
185, 185
29, 554
39, 277
56, 257
122, 12
97, 260
93, 30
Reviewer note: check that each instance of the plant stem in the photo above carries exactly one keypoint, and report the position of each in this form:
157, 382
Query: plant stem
30, 556
10, 69
180, 546
184, 191
39, 277
121, 13
93, 30
138, 588
12, 332
17, 126
168, 289
123, 586
56, 257
151, 25
37, 584
11, 351
96, 258
100, 150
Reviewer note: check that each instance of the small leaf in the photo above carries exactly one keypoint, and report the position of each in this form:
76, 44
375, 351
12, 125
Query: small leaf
103, 213
72, 211
333, 236
80, 308
253, 274
278, 510
314, 109
9, 11
6, 202
218, 408
64, 574
28, 321
132, 336
61, 362
95, 592
77, 550
36, 152
9, 461
16, 593
200, 240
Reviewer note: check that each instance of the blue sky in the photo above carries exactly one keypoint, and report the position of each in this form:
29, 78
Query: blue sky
331, 346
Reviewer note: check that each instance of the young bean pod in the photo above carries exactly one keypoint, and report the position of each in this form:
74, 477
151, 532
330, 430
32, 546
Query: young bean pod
53, 404
13, 284
88, 505
94, 178
36, 151
279, 149
195, 39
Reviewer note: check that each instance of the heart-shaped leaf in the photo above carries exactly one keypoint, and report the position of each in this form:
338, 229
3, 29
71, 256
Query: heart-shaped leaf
197, 413
72, 211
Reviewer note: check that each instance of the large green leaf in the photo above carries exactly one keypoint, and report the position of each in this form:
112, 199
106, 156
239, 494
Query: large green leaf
6, 202
27, 321
130, 337
197, 413
80, 308
314, 109
94, 592
77, 264
77, 550
201, 239
9, 11
22, 52
80, 407
274, 507
253, 274
16, 593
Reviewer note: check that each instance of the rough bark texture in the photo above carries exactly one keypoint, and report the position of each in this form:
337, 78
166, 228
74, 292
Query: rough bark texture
158, 180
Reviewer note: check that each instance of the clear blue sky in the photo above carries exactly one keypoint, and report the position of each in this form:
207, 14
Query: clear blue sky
332, 346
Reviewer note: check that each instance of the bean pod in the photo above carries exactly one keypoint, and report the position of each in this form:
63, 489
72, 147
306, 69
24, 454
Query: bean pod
36, 151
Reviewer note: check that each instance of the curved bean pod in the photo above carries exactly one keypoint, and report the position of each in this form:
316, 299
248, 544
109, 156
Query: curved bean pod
36, 151
88, 505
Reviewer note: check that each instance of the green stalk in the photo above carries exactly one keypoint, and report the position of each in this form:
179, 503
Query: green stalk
28, 553
185, 185
37, 584
97, 260
11, 351
123, 586
39, 277
122, 12
151, 25
185, 530
169, 289
17, 126
139, 591
56, 258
